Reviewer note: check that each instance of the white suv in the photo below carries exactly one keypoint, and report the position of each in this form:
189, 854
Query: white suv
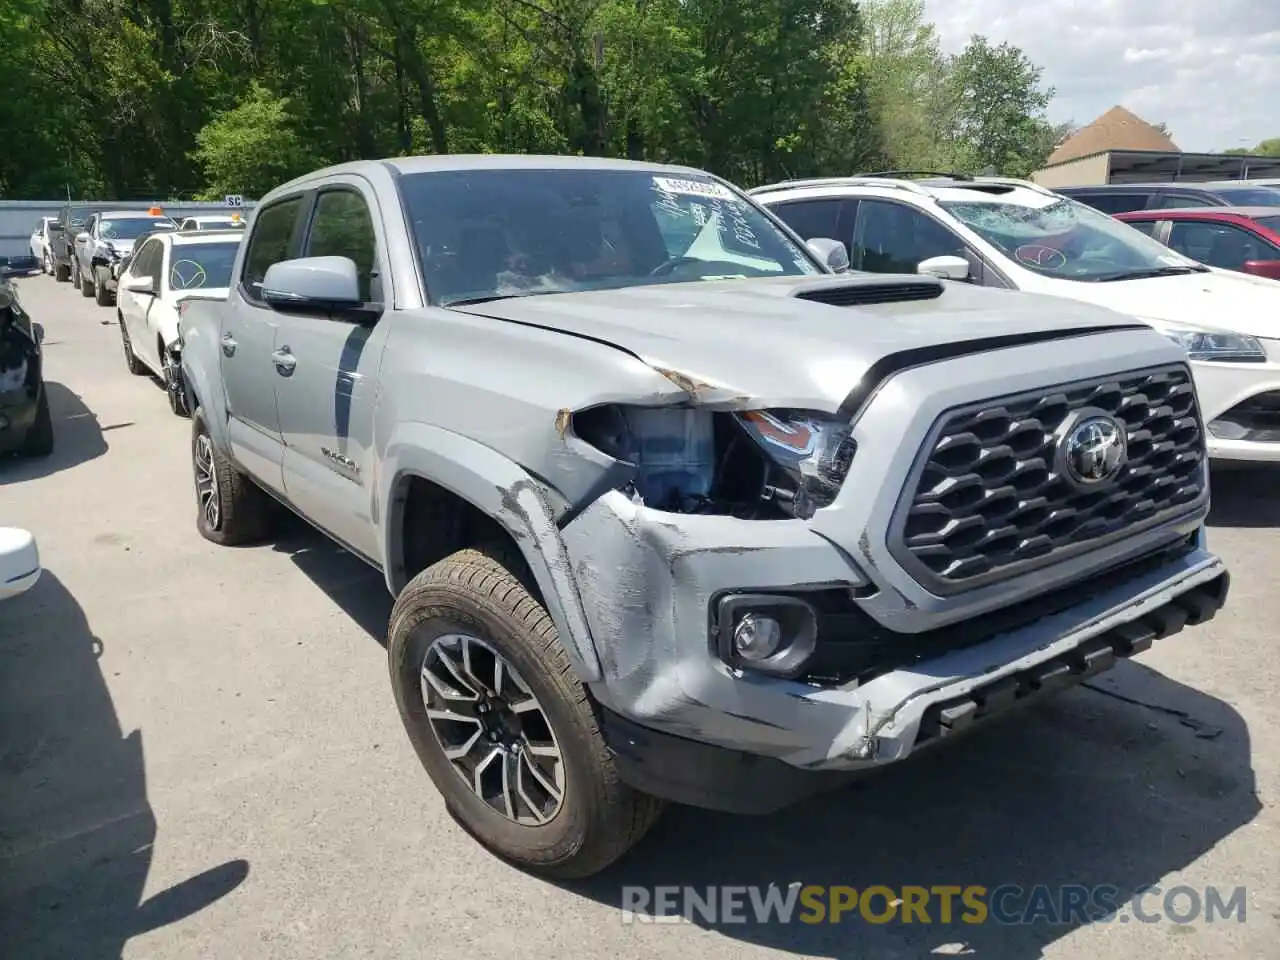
1018, 235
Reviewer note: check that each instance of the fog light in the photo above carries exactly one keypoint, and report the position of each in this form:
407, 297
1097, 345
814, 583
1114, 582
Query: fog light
756, 637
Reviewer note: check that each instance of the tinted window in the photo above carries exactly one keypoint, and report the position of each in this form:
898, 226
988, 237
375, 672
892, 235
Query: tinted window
1271, 223
194, 266
341, 227
487, 233
1249, 196
892, 238
1113, 202
147, 260
1145, 226
269, 242
812, 218
1219, 244
1174, 201
133, 227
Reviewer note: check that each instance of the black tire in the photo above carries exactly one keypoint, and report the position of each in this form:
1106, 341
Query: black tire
61, 272
39, 439
86, 284
243, 512
478, 592
174, 386
131, 361
102, 296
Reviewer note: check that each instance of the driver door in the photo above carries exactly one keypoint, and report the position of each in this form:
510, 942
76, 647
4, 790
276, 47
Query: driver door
135, 306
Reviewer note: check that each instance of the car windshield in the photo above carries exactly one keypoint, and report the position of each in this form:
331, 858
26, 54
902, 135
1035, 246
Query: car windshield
194, 266
132, 228
486, 234
1061, 238
1249, 196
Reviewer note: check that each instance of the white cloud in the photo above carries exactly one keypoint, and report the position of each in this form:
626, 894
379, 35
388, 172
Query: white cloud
1210, 71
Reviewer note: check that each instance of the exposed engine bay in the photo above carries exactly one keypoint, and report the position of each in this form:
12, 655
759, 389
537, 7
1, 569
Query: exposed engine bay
754, 465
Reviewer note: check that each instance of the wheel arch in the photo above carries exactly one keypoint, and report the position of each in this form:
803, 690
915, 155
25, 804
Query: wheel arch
478, 482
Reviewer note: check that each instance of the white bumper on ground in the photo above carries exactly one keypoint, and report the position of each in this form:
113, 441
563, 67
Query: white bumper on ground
19, 562
1240, 403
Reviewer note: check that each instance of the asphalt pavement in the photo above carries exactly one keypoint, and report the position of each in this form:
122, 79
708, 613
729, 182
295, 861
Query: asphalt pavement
200, 756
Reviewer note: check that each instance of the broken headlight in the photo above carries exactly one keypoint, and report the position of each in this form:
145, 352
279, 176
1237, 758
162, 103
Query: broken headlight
812, 450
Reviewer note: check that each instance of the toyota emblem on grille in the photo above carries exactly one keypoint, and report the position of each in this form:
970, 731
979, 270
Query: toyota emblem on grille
1092, 448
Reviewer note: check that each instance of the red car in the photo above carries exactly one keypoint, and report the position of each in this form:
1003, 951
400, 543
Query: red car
1244, 239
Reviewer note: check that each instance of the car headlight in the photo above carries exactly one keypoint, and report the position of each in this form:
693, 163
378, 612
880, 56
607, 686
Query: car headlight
813, 450
1217, 347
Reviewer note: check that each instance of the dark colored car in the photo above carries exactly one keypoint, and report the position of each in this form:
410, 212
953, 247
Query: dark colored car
1244, 239
62, 238
1126, 197
26, 426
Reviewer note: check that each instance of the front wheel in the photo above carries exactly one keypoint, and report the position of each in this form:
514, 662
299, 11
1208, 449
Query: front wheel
102, 296
506, 732
131, 361
86, 283
231, 510
61, 272
39, 439
174, 385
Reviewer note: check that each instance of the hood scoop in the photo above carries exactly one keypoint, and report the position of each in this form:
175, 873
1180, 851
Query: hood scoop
864, 291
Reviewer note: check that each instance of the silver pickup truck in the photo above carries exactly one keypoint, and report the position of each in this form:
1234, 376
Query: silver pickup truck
672, 508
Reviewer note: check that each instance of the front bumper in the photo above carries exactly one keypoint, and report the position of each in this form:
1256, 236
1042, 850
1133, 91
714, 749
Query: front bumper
19, 562
1240, 403
672, 705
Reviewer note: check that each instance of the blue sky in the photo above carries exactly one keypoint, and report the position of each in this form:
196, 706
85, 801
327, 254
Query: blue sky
1210, 71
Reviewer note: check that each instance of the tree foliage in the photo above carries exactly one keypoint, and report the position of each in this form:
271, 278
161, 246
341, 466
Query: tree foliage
139, 99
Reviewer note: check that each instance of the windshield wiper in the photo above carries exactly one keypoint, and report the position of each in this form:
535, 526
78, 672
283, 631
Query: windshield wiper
472, 301
1169, 271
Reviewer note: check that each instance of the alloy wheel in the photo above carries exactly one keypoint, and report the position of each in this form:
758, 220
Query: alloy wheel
492, 729
207, 481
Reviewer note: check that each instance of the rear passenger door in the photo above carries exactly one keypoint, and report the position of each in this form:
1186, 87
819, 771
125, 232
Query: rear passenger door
249, 338
328, 374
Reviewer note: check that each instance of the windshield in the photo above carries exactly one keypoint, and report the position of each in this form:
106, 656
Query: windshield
1061, 238
482, 234
133, 227
194, 266
1249, 196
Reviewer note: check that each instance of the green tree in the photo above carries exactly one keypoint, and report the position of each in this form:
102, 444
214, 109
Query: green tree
998, 109
252, 147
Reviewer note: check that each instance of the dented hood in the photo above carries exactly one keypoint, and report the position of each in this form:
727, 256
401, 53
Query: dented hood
752, 341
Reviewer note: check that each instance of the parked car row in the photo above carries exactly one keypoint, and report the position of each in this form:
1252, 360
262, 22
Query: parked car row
674, 507
1012, 234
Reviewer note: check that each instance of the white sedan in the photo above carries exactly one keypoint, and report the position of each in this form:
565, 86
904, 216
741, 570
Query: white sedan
165, 270
1017, 235
19, 562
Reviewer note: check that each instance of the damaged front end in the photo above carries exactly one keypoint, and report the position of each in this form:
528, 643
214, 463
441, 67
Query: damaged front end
736, 565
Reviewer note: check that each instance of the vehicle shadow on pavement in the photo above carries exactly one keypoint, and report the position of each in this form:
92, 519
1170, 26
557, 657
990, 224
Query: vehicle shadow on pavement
1245, 497
348, 581
76, 829
77, 438
1086, 790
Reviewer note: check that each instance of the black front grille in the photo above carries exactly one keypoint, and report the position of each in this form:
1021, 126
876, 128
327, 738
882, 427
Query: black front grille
989, 501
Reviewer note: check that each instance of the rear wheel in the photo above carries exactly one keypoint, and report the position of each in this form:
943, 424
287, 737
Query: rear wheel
504, 729
61, 272
39, 439
231, 510
86, 283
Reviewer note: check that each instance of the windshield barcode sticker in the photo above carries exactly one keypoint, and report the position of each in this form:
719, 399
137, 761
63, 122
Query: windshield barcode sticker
694, 188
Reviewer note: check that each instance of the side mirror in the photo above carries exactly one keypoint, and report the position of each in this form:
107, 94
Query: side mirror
831, 252
141, 285
82, 236
312, 285
1263, 268
944, 268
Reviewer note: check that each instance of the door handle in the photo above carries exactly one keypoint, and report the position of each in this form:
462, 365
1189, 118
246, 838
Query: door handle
284, 361
228, 344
